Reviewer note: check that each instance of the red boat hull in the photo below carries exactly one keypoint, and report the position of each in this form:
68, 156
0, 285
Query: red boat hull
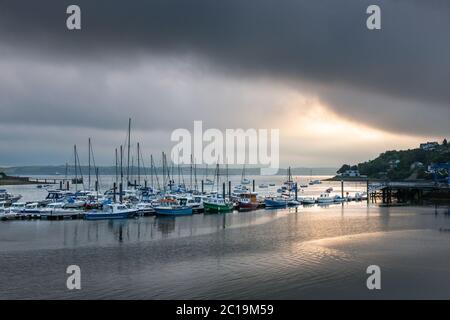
248, 206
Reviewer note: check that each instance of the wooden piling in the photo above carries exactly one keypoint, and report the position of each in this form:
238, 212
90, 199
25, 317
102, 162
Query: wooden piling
367, 191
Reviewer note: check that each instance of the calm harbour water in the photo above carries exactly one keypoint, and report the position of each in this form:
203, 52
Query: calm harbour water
304, 253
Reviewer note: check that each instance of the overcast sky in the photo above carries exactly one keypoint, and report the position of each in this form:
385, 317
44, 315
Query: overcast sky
337, 91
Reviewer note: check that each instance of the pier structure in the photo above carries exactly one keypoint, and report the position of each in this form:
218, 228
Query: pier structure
403, 192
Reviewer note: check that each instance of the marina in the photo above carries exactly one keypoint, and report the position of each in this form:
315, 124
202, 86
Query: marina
31, 202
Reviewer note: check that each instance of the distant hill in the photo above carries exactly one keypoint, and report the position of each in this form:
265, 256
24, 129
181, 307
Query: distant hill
105, 170
403, 164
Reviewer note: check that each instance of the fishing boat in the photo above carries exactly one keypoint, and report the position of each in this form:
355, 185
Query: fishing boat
289, 183
8, 197
3, 207
329, 190
275, 202
17, 208
308, 200
194, 202
171, 207
5, 214
111, 211
313, 182
217, 204
208, 182
293, 203
271, 184
248, 201
239, 189
32, 209
339, 199
363, 196
57, 209
145, 208
55, 196
325, 198
263, 186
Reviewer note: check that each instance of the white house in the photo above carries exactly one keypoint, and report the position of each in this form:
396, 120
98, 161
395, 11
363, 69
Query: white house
351, 173
429, 145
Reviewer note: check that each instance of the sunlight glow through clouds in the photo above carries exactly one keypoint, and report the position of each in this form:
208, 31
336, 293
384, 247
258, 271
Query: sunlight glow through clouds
314, 131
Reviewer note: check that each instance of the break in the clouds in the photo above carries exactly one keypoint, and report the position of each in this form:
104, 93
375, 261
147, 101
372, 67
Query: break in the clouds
229, 63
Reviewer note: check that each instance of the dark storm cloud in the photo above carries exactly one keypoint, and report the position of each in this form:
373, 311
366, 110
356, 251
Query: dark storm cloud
396, 78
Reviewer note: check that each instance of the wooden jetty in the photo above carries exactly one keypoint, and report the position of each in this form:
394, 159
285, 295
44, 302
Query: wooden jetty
403, 192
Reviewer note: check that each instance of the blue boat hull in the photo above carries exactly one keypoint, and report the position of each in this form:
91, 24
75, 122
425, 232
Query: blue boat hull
174, 212
104, 216
274, 203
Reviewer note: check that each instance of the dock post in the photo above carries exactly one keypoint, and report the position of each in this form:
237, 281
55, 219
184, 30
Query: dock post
223, 190
342, 188
296, 192
145, 184
96, 185
253, 185
203, 189
67, 185
114, 192
135, 185
60, 185
120, 192
367, 192
229, 189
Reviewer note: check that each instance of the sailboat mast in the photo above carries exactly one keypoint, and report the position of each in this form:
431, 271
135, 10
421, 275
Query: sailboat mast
139, 165
190, 178
164, 172
195, 176
121, 165
117, 176
89, 164
151, 171
76, 175
218, 182
128, 156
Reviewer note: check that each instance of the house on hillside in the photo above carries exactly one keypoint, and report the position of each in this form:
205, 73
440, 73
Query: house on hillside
393, 164
350, 173
416, 165
429, 146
